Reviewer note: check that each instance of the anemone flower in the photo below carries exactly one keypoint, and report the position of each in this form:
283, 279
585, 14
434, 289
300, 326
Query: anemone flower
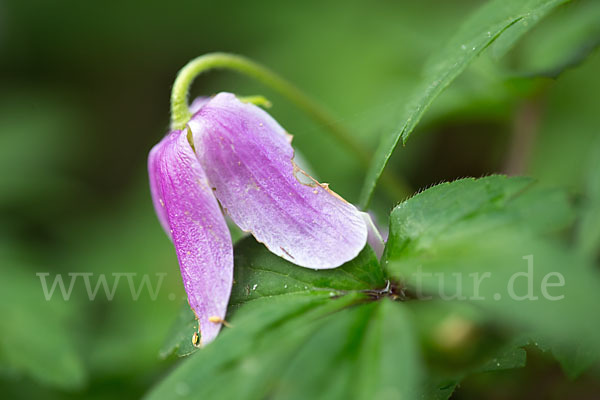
233, 158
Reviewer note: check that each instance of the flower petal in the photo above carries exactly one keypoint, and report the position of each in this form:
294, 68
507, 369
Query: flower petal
374, 237
154, 171
186, 204
247, 157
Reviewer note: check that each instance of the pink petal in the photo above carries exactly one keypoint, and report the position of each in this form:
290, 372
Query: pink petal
187, 207
247, 157
154, 168
154, 174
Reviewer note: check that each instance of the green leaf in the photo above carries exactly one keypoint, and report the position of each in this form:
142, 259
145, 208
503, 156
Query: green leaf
333, 342
366, 352
561, 41
179, 338
306, 346
441, 384
454, 264
507, 358
246, 360
488, 231
420, 221
439, 389
390, 361
575, 360
442, 387
258, 274
475, 35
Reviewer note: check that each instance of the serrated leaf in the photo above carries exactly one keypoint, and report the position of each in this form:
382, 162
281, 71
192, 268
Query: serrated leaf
418, 222
475, 35
443, 255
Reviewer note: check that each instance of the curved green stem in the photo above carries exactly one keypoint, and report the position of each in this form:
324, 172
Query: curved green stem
180, 113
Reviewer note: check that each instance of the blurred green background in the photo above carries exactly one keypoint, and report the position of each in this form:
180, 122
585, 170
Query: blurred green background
85, 95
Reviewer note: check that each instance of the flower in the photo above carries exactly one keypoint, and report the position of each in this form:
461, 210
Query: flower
235, 157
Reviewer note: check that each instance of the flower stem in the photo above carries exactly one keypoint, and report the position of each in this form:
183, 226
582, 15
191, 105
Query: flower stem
180, 113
